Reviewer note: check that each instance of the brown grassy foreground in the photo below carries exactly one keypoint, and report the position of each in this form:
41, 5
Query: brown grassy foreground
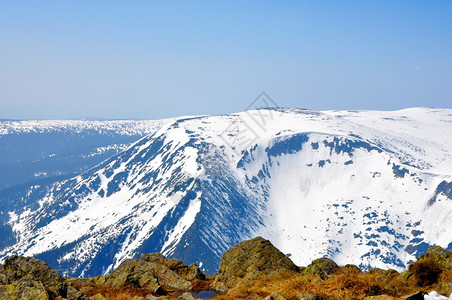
346, 283
322, 279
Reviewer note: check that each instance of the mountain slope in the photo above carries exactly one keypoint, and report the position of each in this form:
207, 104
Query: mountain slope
372, 188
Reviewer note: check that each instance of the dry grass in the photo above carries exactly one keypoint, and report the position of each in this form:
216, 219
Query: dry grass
123, 293
426, 271
346, 283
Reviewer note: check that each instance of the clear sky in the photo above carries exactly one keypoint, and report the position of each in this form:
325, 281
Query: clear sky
157, 59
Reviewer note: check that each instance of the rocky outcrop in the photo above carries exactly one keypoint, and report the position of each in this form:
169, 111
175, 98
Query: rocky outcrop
31, 278
143, 274
28, 275
249, 260
428, 268
152, 273
322, 267
190, 272
24, 288
244, 270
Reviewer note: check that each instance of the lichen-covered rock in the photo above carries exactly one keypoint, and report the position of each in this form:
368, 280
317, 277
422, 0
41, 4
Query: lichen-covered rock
4, 279
353, 267
187, 296
190, 272
17, 267
322, 267
445, 288
144, 274
25, 288
74, 294
247, 261
439, 255
308, 297
428, 268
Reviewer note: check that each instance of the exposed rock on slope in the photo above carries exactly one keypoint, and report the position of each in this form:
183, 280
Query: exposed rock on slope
322, 267
248, 260
253, 269
153, 274
31, 278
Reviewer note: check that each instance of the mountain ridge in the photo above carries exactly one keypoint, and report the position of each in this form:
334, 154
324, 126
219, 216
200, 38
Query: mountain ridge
207, 182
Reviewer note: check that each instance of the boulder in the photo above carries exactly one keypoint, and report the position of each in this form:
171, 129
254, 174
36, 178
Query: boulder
18, 267
74, 294
249, 260
322, 267
139, 273
442, 256
24, 288
353, 267
190, 272
187, 296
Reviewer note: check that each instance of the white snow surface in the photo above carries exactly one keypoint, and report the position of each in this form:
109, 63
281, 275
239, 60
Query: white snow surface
433, 295
313, 202
125, 127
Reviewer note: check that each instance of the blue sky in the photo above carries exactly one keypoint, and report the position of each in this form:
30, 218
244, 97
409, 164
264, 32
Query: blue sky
156, 59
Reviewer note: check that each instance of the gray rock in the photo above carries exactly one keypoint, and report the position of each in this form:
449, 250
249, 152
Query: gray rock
17, 267
322, 267
74, 294
247, 261
25, 288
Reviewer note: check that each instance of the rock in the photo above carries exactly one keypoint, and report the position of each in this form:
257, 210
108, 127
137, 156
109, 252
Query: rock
160, 259
24, 288
353, 267
322, 267
417, 296
187, 296
308, 297
386, 273
441, 256
428, 268
144, 274
445, 288
247, 261
4, 279
17, 267
190, 272
74, 294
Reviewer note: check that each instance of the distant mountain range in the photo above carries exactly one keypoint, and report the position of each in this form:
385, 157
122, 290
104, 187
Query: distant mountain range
371, 188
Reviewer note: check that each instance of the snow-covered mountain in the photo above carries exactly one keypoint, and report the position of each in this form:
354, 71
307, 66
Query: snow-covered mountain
365, 187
